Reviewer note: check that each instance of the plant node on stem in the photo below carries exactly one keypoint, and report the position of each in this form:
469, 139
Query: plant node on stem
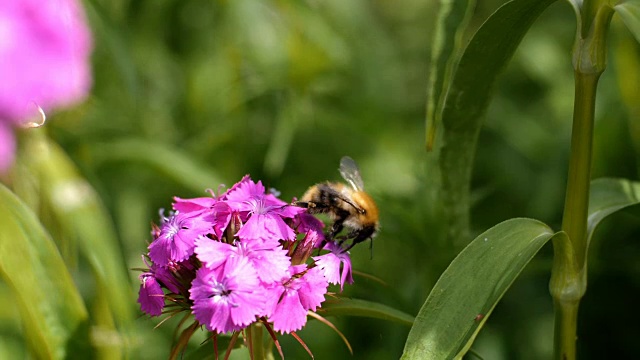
568, 279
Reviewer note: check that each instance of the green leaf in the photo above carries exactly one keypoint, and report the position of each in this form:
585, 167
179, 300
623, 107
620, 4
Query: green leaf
453, 17
76, 210
630, 13
470, 288
608, 196
170, 162
354, 307
53, 313
626, 58
468, 97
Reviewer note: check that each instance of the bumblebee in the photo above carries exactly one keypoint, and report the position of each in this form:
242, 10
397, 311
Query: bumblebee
347, 206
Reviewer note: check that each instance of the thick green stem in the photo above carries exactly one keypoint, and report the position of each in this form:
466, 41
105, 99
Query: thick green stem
567, 286
566, 321
568, 281
568, 278
574, 221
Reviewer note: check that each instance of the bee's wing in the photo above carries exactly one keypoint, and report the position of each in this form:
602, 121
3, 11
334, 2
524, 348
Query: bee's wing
350, 172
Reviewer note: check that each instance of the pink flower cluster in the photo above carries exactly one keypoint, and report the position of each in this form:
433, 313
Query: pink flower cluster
241, 257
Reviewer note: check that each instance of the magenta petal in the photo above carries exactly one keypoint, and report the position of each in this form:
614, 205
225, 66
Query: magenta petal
193, 205
176, 241
305, 222
44, 56
245, 179
166, 278
289, 315
213, 253
221, 216
288, 211
347, 275
245, 195
221, 319
227, 298
252, 307
282, 208
314, 286
271, 265
266, 227
279, 229
151, 297
216, 316
329, 263
216, 212
273, 293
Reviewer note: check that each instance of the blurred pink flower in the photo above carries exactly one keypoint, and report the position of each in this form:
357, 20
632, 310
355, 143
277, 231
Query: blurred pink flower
44, 61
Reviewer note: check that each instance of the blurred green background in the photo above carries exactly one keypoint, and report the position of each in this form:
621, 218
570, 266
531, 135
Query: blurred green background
191, 94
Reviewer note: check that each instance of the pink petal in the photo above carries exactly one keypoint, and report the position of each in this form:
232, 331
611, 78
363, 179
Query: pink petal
289, 315
151, 297
313, 288
212, 253
44, 56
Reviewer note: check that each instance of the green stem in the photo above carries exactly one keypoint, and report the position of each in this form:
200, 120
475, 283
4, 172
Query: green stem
567, 286
574, 221
566, 321
568, 278
256, 341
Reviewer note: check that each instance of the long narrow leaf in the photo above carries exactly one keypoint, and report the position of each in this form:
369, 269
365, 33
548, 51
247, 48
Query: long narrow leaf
355, 307
453, 16
608, 196
470, 288
483, 60
77, 211
629, 11
53, 313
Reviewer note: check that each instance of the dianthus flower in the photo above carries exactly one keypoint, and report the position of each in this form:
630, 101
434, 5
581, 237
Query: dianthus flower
303, 289
151, 295
227, 298
265, 213
44, 62
331, 262
176, 241
240, 258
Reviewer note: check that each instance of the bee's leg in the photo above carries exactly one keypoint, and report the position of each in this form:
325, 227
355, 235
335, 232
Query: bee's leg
340, 240
357, 237
304, 204
331, 234
335, 228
